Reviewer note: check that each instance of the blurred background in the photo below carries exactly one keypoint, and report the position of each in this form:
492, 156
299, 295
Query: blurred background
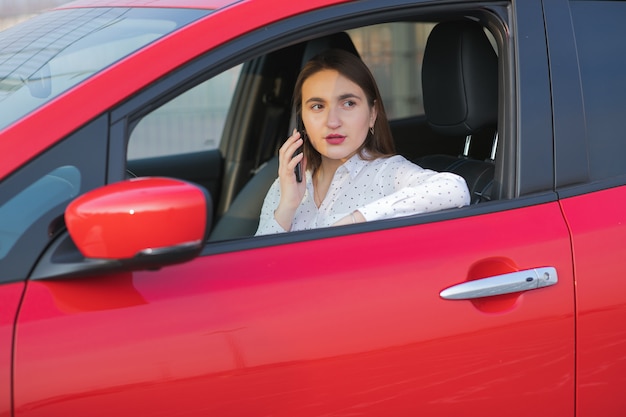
13, 11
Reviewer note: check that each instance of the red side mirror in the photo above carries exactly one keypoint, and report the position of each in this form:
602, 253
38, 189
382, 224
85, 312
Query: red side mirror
142, 216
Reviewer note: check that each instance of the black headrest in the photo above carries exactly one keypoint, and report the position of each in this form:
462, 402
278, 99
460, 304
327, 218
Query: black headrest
460, 79
340, 40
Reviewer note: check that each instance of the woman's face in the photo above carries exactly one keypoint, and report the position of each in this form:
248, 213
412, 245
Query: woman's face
336, 115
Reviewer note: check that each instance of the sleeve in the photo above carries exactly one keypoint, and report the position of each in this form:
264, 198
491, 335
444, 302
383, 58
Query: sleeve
267, 222
410, 189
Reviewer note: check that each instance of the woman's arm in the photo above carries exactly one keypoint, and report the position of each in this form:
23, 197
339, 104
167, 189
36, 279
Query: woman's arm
409, 189
285, 195
267, 221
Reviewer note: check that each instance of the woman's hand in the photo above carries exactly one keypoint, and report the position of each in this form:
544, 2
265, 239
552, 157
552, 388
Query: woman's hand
291, 191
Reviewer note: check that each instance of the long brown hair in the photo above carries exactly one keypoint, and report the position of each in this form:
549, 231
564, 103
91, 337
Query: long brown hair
376, 145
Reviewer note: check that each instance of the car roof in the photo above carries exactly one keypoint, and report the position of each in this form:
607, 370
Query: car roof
196, 4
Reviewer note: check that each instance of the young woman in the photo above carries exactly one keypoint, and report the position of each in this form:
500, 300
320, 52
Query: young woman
350, 172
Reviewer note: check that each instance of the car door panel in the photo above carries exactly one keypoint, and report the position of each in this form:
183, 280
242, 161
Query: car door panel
599, 238
10, 296
346, 325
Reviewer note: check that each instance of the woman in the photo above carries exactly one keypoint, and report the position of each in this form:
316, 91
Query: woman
351, 172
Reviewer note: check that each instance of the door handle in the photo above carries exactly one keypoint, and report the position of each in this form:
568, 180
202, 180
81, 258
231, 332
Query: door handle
529, 279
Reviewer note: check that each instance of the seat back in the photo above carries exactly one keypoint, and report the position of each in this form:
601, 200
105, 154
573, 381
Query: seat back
242, 217
460, 87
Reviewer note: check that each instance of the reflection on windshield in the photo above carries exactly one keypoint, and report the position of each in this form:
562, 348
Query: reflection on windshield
49, 54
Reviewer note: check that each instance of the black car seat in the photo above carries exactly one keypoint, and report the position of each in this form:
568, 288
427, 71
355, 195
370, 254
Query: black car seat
242, 217
460, 88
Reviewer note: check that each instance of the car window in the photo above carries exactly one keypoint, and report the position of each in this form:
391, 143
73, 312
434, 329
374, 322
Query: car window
16, 215
393, 52
191, 122
599, 28
55, 51
224, 132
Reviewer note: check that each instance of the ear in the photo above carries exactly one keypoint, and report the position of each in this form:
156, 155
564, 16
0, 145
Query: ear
373, 115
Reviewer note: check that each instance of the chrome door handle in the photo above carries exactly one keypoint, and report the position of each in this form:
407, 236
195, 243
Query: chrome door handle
530, 279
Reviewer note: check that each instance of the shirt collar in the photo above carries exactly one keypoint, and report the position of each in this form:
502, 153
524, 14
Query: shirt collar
354, 165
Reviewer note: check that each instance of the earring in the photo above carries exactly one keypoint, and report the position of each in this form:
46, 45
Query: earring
372, 130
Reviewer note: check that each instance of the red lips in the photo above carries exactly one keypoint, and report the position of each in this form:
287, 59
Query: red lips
335, 139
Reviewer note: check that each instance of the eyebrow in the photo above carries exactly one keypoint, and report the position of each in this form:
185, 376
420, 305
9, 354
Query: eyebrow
349, 95
341, 97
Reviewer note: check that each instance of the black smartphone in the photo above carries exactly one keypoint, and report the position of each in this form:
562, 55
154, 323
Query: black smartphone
300, 128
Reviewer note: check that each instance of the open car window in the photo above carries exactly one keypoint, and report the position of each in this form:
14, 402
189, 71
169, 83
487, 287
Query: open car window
224, 132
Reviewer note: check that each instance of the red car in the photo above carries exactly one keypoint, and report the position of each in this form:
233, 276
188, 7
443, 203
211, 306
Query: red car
138, 140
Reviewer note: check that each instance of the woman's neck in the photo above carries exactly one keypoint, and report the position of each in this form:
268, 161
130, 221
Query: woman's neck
322, 178
328, 166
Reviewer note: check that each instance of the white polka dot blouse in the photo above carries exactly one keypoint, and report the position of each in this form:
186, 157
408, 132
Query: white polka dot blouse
380, 189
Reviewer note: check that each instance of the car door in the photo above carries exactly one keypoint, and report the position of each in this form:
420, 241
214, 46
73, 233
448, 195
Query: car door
369, 320
334, 326
11, 295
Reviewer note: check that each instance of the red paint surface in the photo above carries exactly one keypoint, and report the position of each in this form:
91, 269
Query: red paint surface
122, 219
10, 297
598, 224
349, 325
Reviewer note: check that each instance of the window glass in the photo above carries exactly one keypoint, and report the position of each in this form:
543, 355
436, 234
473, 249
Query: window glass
16, 215
54, 51
191, 122
394, 52
600, 30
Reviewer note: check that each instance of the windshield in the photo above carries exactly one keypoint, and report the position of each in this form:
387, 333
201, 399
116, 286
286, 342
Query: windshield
47, 55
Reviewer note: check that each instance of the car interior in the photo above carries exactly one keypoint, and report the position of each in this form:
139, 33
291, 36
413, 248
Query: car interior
457, 131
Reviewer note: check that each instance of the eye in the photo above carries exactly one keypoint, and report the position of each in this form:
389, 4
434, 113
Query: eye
349, 103
317, 107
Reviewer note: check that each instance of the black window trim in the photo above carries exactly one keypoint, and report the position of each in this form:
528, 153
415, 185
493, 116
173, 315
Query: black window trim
571, 160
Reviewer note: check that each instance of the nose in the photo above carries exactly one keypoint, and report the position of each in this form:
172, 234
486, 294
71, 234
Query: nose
333, 119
